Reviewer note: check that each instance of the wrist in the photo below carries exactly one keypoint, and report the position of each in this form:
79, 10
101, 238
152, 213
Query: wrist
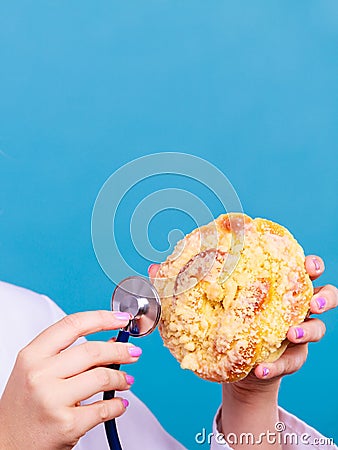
249, 406
252, 392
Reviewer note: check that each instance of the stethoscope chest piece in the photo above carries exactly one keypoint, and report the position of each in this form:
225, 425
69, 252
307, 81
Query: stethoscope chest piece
137, 296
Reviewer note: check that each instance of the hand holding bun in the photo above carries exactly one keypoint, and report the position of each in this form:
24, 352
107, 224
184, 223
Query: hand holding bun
230, 292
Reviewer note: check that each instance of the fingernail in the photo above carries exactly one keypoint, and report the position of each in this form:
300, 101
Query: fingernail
321, 302
316, 264
125, 402
266, 372
299, 332
130, 379
122, 315
135, 351
149, 268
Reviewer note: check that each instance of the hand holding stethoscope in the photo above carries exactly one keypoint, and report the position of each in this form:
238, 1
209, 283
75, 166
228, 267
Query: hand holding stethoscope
41, 405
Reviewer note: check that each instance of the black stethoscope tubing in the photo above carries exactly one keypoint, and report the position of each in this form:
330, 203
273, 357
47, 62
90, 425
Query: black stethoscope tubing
110, 425
139, 297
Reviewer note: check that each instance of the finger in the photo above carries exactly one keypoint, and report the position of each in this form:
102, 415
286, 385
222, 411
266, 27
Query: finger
291, 360
67, 330
325, 298
312, 330
314, 266
152, 271
88, 416
100, 379
82, 357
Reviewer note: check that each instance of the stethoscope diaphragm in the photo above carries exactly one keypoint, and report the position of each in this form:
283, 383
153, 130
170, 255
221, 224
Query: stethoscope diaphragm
137, 296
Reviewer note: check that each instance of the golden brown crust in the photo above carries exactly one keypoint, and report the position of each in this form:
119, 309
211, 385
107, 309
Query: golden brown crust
230, 291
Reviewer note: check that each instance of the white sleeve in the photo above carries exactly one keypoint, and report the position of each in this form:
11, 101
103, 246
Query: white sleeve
291, 432
139, 428
56, 313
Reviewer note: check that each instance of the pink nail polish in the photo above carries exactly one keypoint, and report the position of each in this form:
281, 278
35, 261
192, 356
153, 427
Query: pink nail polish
321, 302
125, 402
135, 351
266, 372
130, 379
121, 315
149, 268
316, 264
299, 332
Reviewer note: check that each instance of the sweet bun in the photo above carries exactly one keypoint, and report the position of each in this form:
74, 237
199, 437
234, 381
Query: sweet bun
230, 291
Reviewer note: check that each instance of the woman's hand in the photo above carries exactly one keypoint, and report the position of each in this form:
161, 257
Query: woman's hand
251, 405
40, 407
311, 330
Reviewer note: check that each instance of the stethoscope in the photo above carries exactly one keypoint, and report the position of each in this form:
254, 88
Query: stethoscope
137, 296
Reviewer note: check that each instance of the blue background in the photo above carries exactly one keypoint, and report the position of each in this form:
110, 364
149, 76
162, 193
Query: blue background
86, 86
